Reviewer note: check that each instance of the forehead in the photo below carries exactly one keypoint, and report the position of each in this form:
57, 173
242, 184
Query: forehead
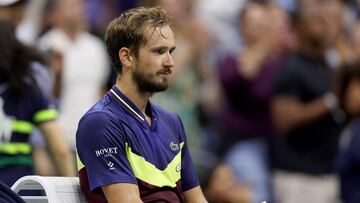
159, 36
313, 5
254, 11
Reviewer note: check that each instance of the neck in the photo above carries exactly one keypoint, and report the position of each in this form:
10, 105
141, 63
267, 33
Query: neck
315, 52
129, 89
69, 32
313, 46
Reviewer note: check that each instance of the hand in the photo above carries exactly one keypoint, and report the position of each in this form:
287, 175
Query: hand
330, 101
223, 187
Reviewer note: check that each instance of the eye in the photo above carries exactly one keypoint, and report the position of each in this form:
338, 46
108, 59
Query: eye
172, 50
159, 50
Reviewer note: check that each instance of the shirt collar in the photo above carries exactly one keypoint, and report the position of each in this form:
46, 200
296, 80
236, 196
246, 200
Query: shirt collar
127, 103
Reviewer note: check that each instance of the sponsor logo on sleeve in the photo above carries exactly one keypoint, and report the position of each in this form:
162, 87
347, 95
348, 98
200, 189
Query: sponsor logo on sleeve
111, 165
106, 152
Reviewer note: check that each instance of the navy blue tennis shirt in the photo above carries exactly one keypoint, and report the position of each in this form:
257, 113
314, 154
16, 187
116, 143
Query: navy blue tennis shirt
115, 144
19, 115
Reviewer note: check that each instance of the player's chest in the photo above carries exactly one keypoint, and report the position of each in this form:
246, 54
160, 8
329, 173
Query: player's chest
158, 147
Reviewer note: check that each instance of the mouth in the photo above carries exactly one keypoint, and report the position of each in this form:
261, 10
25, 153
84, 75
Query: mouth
165, 71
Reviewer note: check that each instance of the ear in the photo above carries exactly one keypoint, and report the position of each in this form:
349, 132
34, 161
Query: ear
125, 57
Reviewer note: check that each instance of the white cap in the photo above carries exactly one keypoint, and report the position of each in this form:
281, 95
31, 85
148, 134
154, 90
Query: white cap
7, 2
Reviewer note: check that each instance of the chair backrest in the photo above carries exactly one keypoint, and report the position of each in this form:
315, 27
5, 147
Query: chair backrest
57, 189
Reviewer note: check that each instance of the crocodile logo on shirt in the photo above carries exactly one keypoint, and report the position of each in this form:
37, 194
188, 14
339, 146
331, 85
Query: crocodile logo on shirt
178, 167
6, 123
174, 146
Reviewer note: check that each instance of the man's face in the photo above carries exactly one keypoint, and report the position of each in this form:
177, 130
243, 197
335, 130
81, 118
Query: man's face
255, 23
152, 67
71, 12
321, 20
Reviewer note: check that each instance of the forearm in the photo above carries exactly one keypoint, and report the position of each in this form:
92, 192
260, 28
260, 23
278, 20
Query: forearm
65, 163
42, 163
59, 148
289, 113
122, 193
194, 195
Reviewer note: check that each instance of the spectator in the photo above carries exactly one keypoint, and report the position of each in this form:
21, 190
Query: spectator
81, 77
305, 111
22, 106
349, 156
246, 79
15, 12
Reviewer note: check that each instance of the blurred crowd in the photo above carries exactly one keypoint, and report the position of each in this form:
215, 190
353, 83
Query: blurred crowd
268, 90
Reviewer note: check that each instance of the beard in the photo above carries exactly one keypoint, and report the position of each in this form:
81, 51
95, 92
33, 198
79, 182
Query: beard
146, 82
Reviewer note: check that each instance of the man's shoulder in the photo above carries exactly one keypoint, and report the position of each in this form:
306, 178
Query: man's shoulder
106, 109
98, 120
55, 40
102, 109
294, 66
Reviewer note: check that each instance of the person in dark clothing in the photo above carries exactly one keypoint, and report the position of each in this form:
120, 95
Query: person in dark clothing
348, 162
305, 112
22, 107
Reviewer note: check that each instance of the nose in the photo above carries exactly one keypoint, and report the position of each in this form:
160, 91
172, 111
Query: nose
169, 62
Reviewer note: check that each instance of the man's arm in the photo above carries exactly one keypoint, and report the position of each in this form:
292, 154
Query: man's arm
194, 195
42, 161
59, 147
289, 113
122, 192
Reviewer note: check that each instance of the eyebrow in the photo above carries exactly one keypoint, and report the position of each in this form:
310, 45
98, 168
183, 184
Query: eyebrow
164, 47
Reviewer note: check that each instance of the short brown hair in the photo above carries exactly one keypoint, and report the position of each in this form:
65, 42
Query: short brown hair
128, 30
